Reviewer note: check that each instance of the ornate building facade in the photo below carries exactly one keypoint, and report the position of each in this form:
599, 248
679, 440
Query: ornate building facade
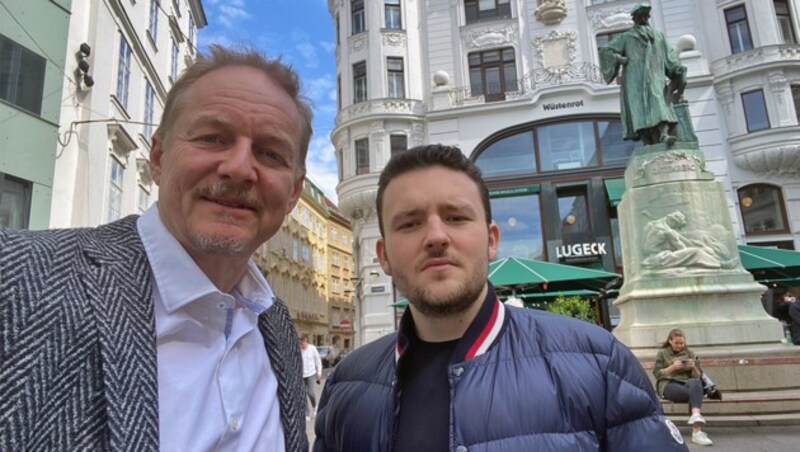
516, 85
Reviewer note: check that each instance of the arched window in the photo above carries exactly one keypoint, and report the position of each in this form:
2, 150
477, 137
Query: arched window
763, 209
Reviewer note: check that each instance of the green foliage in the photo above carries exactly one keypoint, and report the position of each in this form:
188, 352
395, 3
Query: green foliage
575, 306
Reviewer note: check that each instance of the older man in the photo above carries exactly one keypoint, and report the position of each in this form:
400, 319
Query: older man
159, 331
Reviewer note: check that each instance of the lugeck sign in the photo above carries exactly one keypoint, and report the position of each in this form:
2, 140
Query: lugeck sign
581, 251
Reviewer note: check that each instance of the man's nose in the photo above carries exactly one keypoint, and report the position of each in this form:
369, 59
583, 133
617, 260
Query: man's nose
238, 163
436, 235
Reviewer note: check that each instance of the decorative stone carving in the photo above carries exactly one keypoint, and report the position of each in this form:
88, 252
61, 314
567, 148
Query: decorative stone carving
359, 206
551, 12
394, 38
725, 95
667, 244
778, 83
491, 37
357, 43
441, 78
417, 133
556, 49
779, 161
611, 19
143, 168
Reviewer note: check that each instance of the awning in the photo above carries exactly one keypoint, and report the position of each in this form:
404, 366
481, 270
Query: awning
400, 304
615, 189
519, 275
770, 263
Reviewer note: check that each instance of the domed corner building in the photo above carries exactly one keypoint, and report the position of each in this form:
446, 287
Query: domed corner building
516, 85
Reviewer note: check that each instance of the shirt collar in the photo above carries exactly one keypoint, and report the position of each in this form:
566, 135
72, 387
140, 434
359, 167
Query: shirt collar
484, 331
180, 281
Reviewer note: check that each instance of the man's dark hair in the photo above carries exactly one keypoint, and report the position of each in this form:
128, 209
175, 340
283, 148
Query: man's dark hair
426, 156
304, 338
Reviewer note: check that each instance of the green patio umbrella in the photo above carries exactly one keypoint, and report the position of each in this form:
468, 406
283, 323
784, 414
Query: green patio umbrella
520, 275
770, 263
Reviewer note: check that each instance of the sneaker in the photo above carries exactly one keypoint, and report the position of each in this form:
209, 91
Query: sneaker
696, 419
700, 438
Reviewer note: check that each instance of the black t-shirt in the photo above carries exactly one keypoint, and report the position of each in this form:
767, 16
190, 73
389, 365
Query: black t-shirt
424, 418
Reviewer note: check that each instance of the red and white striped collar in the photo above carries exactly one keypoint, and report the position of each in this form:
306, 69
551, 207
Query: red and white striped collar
483, 332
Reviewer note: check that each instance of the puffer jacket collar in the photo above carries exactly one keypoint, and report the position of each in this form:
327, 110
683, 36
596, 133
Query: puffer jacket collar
485, 330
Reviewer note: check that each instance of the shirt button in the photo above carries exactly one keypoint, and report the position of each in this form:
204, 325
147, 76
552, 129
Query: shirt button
457, 372
234, 424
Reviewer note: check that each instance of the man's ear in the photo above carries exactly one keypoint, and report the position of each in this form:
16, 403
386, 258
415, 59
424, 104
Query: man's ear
297, 191
380, 251
494, 240
156, 153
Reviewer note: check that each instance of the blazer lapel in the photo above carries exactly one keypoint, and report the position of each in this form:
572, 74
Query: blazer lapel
283, 350
119, 288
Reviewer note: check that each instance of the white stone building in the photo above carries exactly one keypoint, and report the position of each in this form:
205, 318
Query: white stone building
516, 85
136, 49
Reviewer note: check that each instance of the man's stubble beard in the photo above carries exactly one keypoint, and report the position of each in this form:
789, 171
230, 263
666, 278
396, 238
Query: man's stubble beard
453, 303
217, 243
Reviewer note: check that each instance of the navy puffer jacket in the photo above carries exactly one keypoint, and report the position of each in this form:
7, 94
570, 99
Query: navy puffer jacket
520, 380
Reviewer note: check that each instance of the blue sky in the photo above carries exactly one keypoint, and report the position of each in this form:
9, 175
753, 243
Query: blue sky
301, 31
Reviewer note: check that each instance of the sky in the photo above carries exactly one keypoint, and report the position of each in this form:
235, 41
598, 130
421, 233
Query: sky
301, 32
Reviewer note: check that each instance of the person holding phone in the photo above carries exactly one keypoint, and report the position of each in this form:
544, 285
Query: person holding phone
679, 379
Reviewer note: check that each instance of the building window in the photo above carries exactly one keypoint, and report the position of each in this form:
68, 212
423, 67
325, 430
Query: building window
784, 16
335, 285
565, 145
480, 10
149, 99
763, 209
173, 69
191, 31
15, 202
339, 91
340, 164
755, 110
338, 30
153, 27
394, 70
115, 190
358, 18
604, 38
335, 259
334, 234
295, 250
144, 199
398, 143
520, 221
738, 29
796, 98
573, 211
362, 156
359, 82
492, 73
123, 72
21, 76
393, 17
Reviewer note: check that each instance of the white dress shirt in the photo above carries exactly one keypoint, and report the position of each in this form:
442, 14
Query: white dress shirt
216, 388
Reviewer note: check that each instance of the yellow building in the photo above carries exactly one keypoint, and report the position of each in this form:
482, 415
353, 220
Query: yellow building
298, 262
341, 270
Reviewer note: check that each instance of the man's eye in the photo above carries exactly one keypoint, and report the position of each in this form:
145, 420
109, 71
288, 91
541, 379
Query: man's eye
209, 139
271, 156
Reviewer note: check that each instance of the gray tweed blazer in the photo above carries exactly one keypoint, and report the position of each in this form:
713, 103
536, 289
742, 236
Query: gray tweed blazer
77, 344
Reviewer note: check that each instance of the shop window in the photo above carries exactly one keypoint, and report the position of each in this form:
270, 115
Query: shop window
763, 209
738, 29
492, 73
573, 212
796, 98
615, 149
392, 14
784, 16
358, 17
359, 82
755, 110
509, 156
481, 10
15, 202
362, 156
520, 221
21, 76
115, 187
395, 77
398, 143
567, 145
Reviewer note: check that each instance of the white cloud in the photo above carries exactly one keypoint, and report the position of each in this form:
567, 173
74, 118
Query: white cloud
328, 46
231, 13
308, 52
321, 166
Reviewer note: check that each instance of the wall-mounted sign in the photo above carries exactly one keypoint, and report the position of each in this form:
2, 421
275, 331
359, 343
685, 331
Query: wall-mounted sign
580, 250
562, 105
377, 289
514, 191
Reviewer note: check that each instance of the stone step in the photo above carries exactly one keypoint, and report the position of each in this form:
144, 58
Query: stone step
778, 407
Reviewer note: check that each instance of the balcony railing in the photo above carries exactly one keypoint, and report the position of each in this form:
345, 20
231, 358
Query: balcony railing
533, 80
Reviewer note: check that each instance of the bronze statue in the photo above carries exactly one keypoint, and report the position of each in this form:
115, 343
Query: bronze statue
645, 96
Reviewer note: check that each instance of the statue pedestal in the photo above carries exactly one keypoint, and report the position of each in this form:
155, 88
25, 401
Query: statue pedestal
681, 262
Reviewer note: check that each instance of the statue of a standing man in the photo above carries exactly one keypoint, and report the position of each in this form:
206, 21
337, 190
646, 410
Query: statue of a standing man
645, 97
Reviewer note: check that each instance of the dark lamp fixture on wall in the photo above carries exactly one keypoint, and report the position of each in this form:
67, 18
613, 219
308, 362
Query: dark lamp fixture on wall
82, 74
